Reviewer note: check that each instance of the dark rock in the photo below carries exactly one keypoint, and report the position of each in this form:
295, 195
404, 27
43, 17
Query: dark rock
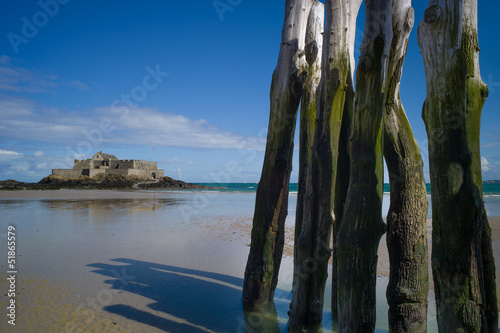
101, 182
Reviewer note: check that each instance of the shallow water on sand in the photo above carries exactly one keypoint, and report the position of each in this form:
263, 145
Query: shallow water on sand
144, 262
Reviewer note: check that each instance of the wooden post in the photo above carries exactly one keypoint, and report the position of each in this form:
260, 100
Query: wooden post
344, 159
461, 245
307, 130
271, 206
314, 46
407, 217
313, 234
341, 183
477, 92
362, 226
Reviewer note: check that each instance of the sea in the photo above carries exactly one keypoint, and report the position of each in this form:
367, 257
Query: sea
155, 261
488, 189
491, 194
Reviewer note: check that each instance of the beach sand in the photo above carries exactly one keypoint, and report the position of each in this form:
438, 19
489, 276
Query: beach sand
75, 194
241, 230
47, 305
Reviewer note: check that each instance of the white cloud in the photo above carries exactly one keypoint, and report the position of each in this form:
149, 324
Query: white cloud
29, 167
41, 166
177, 172
8, 154
490, 145
173, 160
15, 106
191, 163
20, 167
4, 60
147, 126
28, 121
19, 79
78, 85
83, 132
484, 164
38, 153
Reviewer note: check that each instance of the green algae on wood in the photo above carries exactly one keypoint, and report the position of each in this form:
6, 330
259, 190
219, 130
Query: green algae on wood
271, 204
461, 244
408, 286
362, 226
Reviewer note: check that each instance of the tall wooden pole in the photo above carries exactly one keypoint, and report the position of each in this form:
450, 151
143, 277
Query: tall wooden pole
314, 46
344, 158
407, 217
271, 205
362, 226
477, 92
313, 233
461, 254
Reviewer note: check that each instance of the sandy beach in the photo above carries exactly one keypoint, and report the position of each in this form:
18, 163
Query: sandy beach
111, 261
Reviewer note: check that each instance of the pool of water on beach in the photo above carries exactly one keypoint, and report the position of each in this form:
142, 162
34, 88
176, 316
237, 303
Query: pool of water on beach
155, 261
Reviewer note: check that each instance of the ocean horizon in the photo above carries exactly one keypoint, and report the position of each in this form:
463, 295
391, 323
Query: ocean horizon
488, 189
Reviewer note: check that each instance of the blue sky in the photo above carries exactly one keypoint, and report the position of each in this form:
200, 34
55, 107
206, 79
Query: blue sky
191, 79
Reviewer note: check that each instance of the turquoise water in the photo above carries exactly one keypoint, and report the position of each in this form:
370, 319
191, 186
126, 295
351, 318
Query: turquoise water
488, 189
491, 194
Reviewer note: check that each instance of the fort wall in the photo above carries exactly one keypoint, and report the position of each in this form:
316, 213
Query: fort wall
67, 173
82, 164
145, 165
75, 173
98, 165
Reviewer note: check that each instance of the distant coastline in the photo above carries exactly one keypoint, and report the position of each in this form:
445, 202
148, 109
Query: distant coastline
491, 182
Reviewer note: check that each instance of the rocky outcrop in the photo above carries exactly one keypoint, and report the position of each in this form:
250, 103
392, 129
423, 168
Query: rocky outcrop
101, 182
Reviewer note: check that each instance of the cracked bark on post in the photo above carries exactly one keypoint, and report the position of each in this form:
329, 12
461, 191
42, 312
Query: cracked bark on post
362, 225
313, 235
300, 308
308, 112
271, 206
344, 159
314, 46
477, 92
407, 217
461, 244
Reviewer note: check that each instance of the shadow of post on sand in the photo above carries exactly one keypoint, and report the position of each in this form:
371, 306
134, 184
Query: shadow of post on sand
186, 300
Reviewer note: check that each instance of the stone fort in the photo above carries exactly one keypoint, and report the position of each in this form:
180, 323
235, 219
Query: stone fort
110, 165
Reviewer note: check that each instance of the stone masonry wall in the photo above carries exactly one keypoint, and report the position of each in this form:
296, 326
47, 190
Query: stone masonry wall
67, 173
82, 164
91, 168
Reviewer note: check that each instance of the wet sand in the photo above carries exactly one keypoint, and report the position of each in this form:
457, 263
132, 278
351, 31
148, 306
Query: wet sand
77, 194
240, 230
47, 305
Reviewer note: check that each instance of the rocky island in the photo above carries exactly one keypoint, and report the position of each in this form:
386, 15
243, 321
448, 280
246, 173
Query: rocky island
106, 172
102, 182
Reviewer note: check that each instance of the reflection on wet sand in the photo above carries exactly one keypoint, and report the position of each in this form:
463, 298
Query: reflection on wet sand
261, 318
165, 283
185, 300
105, 207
